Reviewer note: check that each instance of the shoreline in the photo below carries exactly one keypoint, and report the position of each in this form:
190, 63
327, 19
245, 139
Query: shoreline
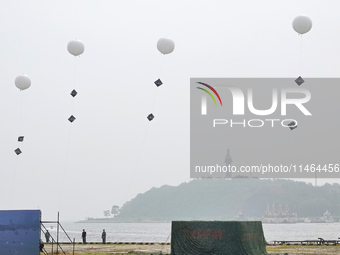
165, 221
147, 249
114, 221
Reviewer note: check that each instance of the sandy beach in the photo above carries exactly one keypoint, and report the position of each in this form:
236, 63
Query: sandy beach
165, 249
111, 249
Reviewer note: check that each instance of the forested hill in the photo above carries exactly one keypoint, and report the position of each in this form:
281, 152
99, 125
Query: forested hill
220, 199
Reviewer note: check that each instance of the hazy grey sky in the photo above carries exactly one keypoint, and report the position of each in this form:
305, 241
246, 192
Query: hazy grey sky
114, 79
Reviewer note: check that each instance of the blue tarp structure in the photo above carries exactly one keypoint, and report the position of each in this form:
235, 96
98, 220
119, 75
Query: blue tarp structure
20, 232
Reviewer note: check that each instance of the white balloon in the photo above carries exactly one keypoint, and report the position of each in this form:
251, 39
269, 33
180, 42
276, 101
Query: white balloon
302, 24
75, 47
165, 45
22, 82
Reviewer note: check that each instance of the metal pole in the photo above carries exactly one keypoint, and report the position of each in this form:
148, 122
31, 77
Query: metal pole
65, 233
58, 233
52, 245
74, 240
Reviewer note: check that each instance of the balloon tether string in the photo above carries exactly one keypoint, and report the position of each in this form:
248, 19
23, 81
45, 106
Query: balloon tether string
300, 52
75, 71
162, 63
160, 72
146, 132
66, 165
138, 157
13, 181
70, 133
20, 115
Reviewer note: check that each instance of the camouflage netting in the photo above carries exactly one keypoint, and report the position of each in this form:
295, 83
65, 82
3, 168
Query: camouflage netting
217, 238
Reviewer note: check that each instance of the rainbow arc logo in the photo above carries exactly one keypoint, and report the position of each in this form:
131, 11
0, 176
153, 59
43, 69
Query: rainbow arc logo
209, 93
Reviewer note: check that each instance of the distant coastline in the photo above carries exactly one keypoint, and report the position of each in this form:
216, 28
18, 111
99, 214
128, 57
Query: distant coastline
111, 220
239, 198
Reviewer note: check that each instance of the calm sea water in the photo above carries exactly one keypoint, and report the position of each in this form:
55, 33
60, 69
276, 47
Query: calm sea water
160, 232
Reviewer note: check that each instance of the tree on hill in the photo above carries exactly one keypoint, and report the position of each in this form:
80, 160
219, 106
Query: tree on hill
115, 210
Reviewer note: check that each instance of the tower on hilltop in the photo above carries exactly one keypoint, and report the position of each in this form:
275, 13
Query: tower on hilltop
228, 160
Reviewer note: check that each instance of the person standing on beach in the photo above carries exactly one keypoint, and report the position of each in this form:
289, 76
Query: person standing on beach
104, 236
41, 245
83, 235
47, 236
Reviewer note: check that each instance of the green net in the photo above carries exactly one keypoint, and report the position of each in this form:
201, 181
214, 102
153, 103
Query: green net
217, 238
